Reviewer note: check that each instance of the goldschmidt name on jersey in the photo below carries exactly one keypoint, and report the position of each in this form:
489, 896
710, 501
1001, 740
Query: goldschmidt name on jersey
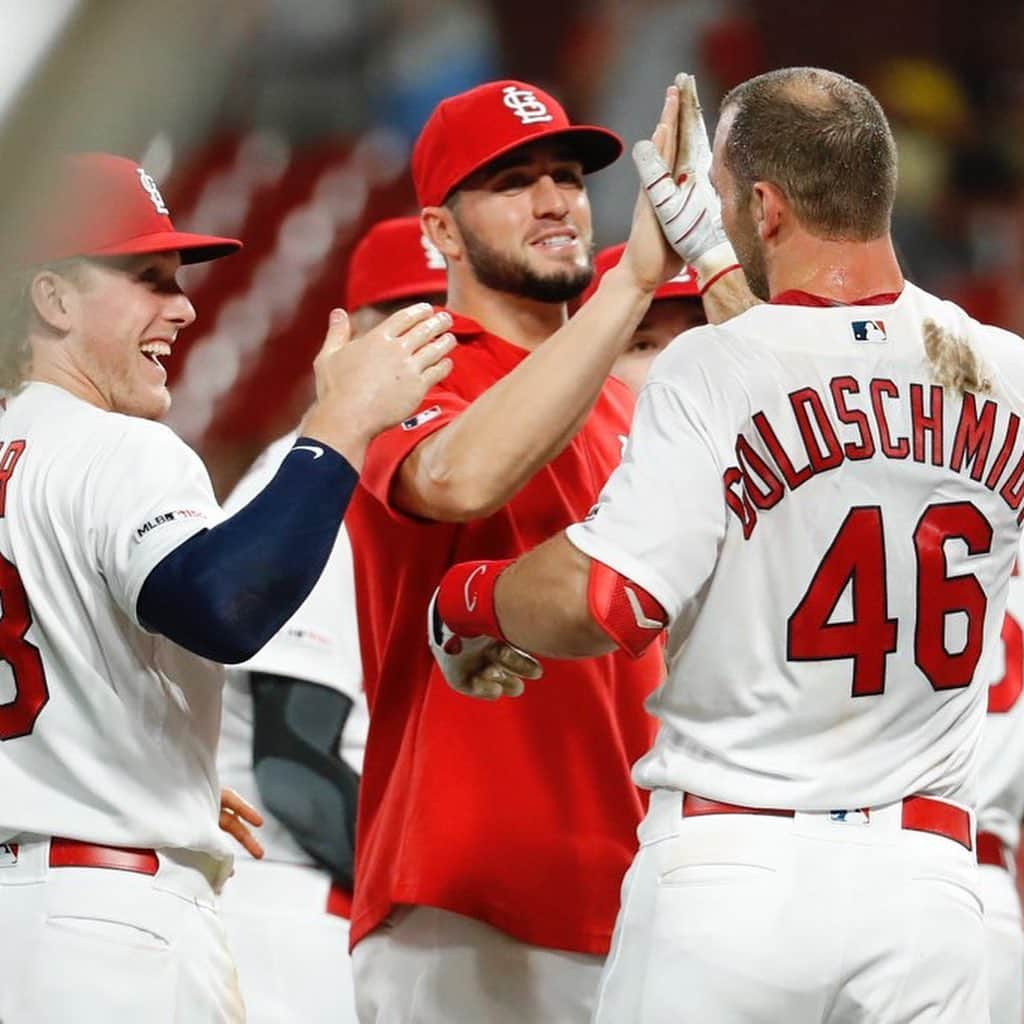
979, 445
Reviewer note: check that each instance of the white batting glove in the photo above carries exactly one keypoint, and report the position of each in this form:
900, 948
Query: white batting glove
687, 207
480, 666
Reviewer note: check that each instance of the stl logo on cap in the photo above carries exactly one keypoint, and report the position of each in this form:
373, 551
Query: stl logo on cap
435, 261
525, 105
147, 182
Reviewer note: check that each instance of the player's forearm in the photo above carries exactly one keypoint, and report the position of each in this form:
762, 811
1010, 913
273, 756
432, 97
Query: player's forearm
542, 606
225, 592
477, 463
728, 296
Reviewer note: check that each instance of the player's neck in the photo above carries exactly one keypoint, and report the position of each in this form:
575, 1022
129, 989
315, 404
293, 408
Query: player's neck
66, 376
839, 270
520, 321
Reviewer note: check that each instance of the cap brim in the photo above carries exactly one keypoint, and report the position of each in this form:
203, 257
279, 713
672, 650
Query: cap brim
193, 248
426, 289
594, 147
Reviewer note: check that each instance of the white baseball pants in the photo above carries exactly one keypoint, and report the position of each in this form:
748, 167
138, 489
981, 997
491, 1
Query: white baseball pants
430, 966
292, 956
103, 946
1004, 942
743, 919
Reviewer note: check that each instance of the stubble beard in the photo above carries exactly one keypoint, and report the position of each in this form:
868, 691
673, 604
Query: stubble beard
505, 273
750, 255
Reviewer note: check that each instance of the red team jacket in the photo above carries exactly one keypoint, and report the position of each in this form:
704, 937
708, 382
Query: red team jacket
519, 813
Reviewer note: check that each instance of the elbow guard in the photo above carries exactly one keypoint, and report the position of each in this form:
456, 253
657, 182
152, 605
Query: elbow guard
624, 610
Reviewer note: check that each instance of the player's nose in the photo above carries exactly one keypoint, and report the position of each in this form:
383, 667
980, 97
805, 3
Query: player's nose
548, 199
179, 310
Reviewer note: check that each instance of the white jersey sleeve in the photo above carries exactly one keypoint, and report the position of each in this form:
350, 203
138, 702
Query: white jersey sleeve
145, 496
669, 476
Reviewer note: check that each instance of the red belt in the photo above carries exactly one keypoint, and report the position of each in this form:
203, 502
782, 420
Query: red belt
992, 850
920, 814
339, 901
70, 853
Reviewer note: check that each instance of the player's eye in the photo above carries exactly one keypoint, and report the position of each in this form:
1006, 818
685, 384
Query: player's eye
512, 182
568, 176
641, 347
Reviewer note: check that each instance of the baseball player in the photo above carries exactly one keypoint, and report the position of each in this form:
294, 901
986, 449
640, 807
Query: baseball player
676, 307
1000, 810
284, 712
483, 894
820, 499
123, 585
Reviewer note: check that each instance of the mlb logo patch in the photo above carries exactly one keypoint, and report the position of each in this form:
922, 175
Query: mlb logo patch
8, 855
869, 331
859, 816
421, 417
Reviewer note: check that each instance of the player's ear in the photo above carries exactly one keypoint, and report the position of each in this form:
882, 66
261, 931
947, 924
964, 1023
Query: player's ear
768, 208
440, 226
50, 295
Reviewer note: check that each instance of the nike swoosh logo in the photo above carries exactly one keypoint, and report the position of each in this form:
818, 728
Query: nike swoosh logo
638, 613
471, 601
315, 449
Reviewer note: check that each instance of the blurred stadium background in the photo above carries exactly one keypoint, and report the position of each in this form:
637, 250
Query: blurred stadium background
288, 123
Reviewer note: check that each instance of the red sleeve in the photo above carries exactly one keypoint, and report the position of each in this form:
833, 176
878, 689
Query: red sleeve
388, 450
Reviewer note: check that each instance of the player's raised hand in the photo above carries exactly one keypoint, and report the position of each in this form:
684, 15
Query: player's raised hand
679, 189
648, 256
480, 666
236, 814
365, 385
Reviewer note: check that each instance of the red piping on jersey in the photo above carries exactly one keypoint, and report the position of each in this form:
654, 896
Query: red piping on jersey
795, 297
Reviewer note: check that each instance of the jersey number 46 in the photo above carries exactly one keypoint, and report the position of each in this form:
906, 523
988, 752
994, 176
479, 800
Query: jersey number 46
856, 558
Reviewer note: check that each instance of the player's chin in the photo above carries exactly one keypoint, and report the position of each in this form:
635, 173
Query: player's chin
150, 403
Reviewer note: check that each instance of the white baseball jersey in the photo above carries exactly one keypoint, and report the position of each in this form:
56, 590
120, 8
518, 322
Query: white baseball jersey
319, 643
1001, 765
108, 731
831, 534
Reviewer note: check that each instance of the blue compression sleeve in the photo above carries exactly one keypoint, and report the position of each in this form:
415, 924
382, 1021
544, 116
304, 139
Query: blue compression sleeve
226, 591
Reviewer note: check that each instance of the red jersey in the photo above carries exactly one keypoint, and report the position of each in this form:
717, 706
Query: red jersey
519, 813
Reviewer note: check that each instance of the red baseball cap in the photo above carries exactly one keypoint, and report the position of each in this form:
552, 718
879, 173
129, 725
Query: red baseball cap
469, 130
394, 260
682, 286
103, 205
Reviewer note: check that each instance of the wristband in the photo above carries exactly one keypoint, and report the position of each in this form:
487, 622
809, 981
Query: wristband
465, 599
715, 263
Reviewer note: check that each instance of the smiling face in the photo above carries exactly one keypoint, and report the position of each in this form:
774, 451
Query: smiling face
525, 224
124, 315
737, 218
